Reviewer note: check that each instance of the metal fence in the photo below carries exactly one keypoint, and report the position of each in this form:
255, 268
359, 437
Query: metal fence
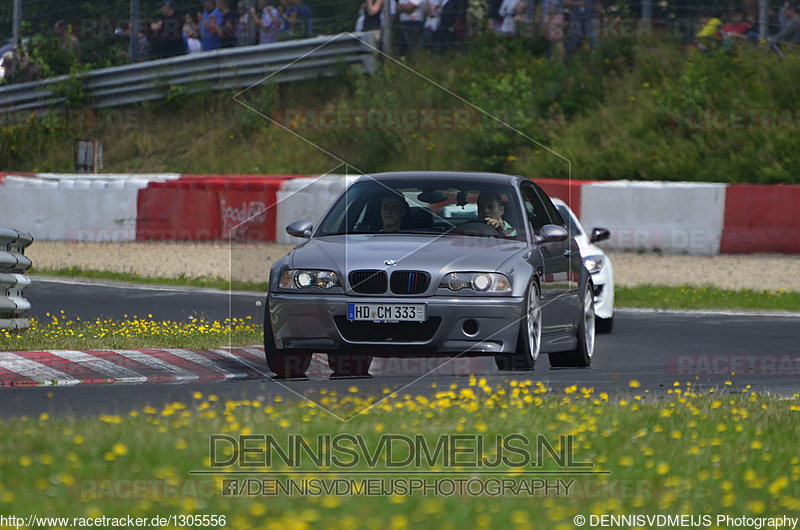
13, 281
235, 68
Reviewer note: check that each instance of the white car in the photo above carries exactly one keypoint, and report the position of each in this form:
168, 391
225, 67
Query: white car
597, 263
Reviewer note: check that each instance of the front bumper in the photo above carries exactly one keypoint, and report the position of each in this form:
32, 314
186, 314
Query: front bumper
455, 325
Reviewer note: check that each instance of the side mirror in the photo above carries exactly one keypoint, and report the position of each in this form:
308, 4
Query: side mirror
599, 234
552, 234
300, 229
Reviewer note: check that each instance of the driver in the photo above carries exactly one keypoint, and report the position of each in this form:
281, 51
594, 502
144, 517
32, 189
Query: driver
393, 208
491, 210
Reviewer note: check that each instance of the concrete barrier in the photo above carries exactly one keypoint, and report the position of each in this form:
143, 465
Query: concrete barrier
74, 207
675, 217
306, 199
760, 218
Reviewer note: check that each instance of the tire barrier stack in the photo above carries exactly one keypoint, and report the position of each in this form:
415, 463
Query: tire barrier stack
13, 281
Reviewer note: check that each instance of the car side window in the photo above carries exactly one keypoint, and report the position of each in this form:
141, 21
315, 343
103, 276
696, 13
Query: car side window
535, 209
551, 209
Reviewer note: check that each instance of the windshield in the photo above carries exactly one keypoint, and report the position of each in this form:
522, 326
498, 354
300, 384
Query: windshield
570, 222
425, 207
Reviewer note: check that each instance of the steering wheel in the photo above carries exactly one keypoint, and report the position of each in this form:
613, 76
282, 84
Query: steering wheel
476, 228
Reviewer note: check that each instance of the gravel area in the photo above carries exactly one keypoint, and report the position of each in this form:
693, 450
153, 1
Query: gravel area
251, 263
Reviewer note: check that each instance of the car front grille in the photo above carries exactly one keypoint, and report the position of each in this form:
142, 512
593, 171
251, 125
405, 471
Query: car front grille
386, 332
409, 282
368, 282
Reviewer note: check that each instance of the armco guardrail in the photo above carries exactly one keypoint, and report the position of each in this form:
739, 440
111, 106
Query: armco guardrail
13, 265
226, 69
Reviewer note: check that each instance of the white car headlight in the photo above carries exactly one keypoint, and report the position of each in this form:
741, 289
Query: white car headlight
303, 279
594, 263
482, 282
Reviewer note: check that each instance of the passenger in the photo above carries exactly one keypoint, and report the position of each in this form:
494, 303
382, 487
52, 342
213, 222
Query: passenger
393, 209
491, 210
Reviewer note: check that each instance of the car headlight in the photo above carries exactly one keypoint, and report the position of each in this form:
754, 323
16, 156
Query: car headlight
303, 279
482, 282
594, 262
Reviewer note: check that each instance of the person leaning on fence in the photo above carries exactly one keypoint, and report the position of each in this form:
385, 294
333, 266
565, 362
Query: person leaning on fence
210, 24
412, 16
191, 35
246, 29
166, 32
709, 26
6, 65
580, 23
306, 18
553, 26
67, 42
269, 23
372, 15
227, 30
737, 28
790, 32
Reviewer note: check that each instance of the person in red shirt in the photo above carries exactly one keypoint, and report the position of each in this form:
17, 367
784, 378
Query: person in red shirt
737, 28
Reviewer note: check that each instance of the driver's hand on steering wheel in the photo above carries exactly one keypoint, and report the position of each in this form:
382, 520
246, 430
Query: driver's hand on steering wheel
494, 223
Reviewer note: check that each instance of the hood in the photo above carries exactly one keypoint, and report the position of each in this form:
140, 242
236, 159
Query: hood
438, 255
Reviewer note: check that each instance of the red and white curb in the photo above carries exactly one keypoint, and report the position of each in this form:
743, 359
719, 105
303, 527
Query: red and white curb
71, 367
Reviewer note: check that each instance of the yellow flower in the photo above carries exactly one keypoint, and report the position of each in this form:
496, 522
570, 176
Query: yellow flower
633, 383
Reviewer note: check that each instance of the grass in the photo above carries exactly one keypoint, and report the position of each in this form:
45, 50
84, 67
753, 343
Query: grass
59, 332
182, 281
689, 297
697, 451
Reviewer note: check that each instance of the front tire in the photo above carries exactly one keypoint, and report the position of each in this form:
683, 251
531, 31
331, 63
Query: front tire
287, 364
529, 343
605, 325
581, 356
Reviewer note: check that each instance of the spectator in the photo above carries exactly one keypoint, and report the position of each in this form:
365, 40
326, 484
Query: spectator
509, 11
246, 29
553, 22
495, 20
709, 25
580, 23
191, 35
6, 66
143, 48
453, 21
307, 17
412, 15
737, 28
431, 38
268, 24
288, 13
67, 42
790, 32
166, 32
228, 26
372, 15
210, 26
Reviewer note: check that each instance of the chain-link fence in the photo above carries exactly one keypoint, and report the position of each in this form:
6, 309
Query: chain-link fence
58, 36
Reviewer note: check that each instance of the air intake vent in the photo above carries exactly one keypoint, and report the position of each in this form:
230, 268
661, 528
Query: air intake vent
368, 282
409, 282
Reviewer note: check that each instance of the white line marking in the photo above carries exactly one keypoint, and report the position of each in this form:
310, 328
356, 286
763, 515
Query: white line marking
711, 312
107, 368
34, 370
202, 360
240, 360
179, 373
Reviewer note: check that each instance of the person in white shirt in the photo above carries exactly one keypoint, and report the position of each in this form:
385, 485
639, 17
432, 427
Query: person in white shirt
431, 38
509, 10
412, 15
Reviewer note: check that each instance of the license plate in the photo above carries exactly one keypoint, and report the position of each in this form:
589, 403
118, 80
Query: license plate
387, 312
